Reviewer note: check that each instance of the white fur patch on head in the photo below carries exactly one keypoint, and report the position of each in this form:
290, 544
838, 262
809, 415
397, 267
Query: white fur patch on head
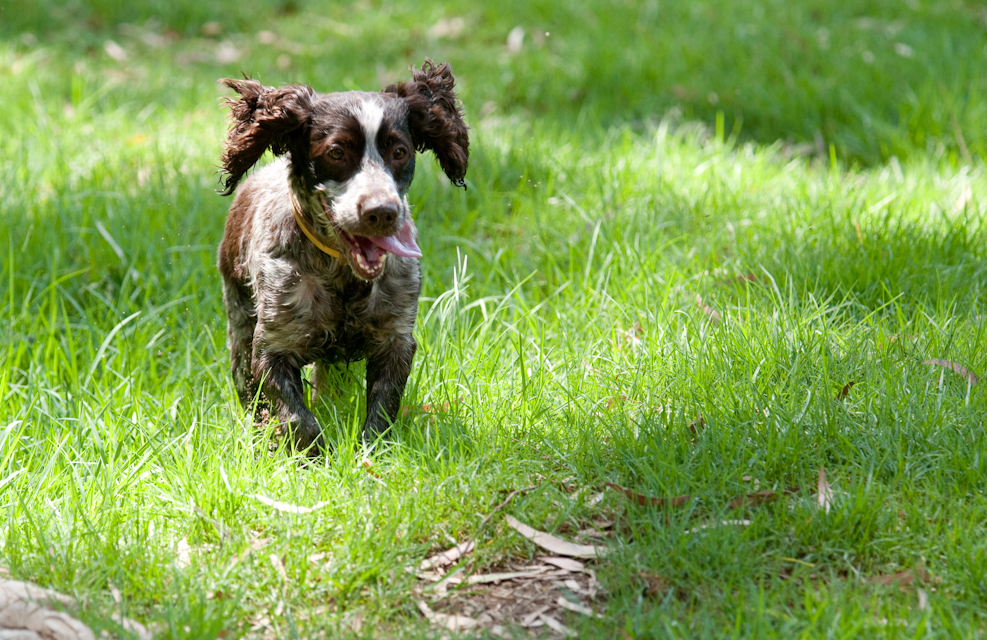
372, 176
370, 114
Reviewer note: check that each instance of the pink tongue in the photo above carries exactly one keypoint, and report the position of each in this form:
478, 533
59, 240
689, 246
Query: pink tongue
400, 244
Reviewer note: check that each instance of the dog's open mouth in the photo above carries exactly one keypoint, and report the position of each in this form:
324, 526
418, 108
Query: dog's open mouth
367, 254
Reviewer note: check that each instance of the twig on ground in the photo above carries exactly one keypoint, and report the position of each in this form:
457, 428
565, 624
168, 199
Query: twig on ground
503, 504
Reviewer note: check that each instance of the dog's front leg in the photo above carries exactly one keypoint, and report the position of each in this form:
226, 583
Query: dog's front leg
388, 369
282, 386
241, 321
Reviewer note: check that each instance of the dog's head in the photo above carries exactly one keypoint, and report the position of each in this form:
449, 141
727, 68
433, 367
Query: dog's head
352, 154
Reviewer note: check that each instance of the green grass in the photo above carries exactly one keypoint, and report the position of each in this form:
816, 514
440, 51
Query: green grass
605, 195
874, 78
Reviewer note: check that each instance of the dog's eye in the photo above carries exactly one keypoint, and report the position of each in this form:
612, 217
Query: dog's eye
336, 153
399, 153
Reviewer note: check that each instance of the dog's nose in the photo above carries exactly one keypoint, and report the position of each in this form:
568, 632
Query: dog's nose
380, 213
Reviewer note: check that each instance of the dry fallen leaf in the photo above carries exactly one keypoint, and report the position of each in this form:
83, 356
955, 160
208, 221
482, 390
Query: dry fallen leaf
557, 626
902, 578
427, 408
133, 627
485, 578
357, 622
646, 501
614, 401
368, 466
288, 508
115, 51
22, 621
24, 615
12, 591
447, 557
530, 619
698, 424
845, 391
278, 565
759, 497
563, 563
555, 545
970, 376
183, 553
713, 315
825, 493
590, 532
452, 622
654, 584
753, 499
259, 543
565, 603
630, 336
498, 631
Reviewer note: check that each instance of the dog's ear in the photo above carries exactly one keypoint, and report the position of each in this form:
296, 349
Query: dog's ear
262, 118
436, 118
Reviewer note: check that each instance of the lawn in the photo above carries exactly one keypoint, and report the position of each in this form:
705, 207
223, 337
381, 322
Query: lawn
707, 250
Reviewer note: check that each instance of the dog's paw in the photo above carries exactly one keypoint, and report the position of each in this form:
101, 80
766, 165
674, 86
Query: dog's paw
306, 433
374, 430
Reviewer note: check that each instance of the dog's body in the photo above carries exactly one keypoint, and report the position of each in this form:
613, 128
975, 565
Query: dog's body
349, 159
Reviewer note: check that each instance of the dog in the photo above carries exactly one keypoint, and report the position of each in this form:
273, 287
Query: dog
320, 260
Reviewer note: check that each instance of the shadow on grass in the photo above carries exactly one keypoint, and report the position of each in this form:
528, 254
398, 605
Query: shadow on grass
875, 80
871, 266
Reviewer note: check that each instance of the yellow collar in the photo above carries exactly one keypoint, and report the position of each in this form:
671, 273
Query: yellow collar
309, 232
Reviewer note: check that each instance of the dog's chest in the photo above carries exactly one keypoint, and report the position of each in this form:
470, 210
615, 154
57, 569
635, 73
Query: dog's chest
325, 316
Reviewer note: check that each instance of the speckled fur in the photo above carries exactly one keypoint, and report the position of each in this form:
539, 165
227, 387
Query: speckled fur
289, 304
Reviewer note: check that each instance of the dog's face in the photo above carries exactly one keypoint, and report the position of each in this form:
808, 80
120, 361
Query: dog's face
353, 155
356, 167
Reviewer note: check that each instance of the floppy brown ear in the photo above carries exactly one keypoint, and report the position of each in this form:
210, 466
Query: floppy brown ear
436, 118
262, 118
